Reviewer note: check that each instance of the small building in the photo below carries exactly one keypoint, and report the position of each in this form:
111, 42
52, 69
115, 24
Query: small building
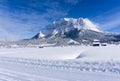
40, 46
103, 44
96, 42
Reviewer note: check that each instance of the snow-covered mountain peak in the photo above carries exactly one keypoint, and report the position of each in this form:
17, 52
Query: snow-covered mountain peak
71, 20
79, 23
68, 27
41, 35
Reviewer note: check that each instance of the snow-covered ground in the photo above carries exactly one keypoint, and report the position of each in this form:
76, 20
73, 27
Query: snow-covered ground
110, 52
44, 53
77, 63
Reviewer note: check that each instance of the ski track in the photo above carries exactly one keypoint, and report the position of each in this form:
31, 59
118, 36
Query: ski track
8, 75
45, 70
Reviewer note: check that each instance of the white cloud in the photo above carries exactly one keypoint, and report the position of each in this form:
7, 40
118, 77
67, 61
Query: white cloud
15, 25
109, 20
25, 21
22, 27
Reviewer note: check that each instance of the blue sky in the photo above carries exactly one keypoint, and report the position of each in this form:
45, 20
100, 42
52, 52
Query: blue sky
20, 19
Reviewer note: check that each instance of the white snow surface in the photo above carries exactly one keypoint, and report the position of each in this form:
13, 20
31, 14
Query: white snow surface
72, 41
109, 52
44, 53
75, 63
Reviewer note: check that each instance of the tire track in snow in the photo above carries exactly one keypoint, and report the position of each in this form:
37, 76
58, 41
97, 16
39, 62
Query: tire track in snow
9, 75
46, 69
113, 67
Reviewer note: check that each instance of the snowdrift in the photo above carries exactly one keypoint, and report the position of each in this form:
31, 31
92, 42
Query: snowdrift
102, 53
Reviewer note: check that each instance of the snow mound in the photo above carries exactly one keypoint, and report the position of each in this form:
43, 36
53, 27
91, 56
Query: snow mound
102, 53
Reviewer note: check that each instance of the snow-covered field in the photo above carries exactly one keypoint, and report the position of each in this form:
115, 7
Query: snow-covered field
80, 63
44, 53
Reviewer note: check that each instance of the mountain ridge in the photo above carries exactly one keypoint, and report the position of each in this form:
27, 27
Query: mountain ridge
81, 30
70, 31
68, 24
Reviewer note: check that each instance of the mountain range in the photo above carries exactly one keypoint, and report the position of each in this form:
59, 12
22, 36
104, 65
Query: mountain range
80, 30
69, 31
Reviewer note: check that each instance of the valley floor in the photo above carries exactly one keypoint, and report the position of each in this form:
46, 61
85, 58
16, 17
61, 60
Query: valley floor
79, 63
